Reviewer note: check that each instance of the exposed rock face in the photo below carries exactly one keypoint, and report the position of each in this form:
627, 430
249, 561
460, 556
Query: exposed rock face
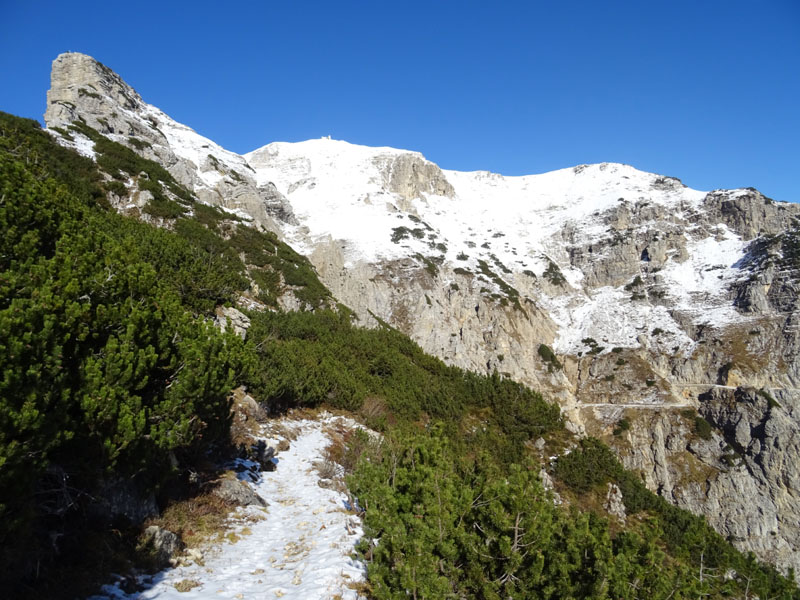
741, 475
614, 502
761, 452
658, 300
227, 316
463, 327
410, 176
162, 543
238, 493
82, 88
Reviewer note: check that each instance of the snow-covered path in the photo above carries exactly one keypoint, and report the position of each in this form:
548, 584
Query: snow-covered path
302, 550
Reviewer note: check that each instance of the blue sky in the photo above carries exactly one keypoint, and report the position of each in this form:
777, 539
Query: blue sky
704, 90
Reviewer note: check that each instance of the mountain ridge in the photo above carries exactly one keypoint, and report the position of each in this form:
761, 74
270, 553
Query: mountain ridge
634, 268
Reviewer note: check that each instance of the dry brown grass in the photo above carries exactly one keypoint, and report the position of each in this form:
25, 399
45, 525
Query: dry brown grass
202, 519
374, 410
198, 520
362, 588
346, 446
279, 429
326, 469
187, 585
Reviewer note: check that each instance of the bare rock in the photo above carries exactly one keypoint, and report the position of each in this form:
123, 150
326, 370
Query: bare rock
228, 316
614, 503
238, 493
410, 176
82, 88
163, 544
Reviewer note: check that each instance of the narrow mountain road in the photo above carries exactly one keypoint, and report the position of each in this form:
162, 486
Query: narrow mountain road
733, 387
670, 405
665, 405
302, 550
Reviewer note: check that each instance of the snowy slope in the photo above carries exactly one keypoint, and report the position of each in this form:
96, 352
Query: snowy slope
374, 204
514, 224
190, 145
335, 190
302, 550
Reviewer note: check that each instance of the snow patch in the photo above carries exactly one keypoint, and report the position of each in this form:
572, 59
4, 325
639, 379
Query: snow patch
80, 143
700, 284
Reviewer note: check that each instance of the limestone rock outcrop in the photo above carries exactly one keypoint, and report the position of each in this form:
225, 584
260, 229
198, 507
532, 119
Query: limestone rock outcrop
84, 89
410, 176
236, 319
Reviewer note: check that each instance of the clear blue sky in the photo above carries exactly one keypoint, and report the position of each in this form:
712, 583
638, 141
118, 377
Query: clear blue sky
704, 90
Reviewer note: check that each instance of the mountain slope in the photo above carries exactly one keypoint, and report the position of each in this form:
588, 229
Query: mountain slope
624, 295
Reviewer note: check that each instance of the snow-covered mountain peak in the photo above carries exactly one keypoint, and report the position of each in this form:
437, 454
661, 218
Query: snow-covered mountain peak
323, 158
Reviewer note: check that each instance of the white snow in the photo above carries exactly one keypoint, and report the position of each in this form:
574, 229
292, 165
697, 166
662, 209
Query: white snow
190, 145
82, 144
608, 316
338, 192
699, 284
302, 550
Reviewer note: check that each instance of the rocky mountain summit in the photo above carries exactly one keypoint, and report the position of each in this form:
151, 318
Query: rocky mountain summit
84, 89
662, 318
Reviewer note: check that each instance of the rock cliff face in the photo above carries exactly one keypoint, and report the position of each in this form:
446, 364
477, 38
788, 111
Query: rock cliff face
83, 89
619, 293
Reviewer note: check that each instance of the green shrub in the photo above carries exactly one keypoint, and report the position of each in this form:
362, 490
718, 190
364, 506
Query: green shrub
637, 281
303, 357
549, 358
771, 402
622, 426
508, 291
431, 263
265, 251
107, 374
400, 233
85, 92
63, 133
116, 187
589, 466
116, 159
164, 208
702, 428
139, 144
553, 274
